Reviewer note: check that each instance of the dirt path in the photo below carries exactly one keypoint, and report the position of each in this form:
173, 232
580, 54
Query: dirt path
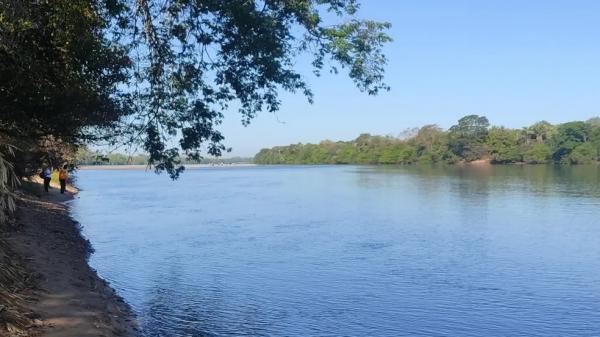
71, 300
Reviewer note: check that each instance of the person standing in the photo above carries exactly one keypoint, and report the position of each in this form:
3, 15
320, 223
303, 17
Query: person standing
47, 176
63, 175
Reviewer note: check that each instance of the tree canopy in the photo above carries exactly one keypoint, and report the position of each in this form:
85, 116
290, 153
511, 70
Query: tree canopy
470, 139
160, 74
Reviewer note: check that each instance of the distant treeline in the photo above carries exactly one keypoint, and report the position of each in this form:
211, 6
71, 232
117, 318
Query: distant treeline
470, 139
87, 157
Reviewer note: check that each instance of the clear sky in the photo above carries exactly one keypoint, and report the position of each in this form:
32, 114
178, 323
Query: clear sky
514, 61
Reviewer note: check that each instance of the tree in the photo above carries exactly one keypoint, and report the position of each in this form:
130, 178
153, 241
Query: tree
503, 145
594, 121
398, 153
202, 56
569, 143
159, 74
59, 70
540, 132
568, 136
537, 154
584, 153
467, 138
61, 76
594, 133
431, 144
390, 155
346, 154
368, 148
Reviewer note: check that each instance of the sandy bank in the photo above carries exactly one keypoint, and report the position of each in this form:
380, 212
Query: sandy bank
480, 162
67, 298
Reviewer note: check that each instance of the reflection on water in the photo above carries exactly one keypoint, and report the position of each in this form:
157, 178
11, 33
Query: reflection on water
351, 251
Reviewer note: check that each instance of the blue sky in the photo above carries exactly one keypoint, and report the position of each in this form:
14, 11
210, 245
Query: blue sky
516, 62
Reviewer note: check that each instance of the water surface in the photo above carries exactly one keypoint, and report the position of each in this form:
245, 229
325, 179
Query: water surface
351, 251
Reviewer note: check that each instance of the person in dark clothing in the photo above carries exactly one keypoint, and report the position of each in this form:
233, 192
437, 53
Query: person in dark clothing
63, 175
47, 176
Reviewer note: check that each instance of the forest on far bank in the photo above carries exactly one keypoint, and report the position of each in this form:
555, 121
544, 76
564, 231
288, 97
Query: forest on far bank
472, 138
86, 156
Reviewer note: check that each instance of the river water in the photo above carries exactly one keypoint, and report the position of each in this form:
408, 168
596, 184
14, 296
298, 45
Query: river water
351, 251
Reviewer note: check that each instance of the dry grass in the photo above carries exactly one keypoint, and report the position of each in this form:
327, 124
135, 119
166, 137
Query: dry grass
8, 183
14, 278
15, 320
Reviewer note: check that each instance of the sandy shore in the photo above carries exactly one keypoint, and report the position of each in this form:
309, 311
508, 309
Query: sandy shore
67, 298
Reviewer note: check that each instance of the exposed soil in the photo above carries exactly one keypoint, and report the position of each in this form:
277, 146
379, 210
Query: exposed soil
67, 298
480, 162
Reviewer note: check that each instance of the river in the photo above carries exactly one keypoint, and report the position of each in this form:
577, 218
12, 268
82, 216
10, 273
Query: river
350, 250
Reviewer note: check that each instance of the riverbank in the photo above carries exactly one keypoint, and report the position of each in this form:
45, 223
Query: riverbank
63, 296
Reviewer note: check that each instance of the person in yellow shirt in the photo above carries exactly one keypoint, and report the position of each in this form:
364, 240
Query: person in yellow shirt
63, 175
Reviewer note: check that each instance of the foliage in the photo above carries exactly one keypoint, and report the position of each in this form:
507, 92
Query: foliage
86, 157
539, 132
60, 71
432, 145
568, 136
584, 153
503, 145
537, 154
159, 74
194, 59
470, 139
467, 138
61, 76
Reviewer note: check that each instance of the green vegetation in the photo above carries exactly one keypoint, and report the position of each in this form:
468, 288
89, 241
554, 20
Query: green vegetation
87, 157
158, 75
470, 139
